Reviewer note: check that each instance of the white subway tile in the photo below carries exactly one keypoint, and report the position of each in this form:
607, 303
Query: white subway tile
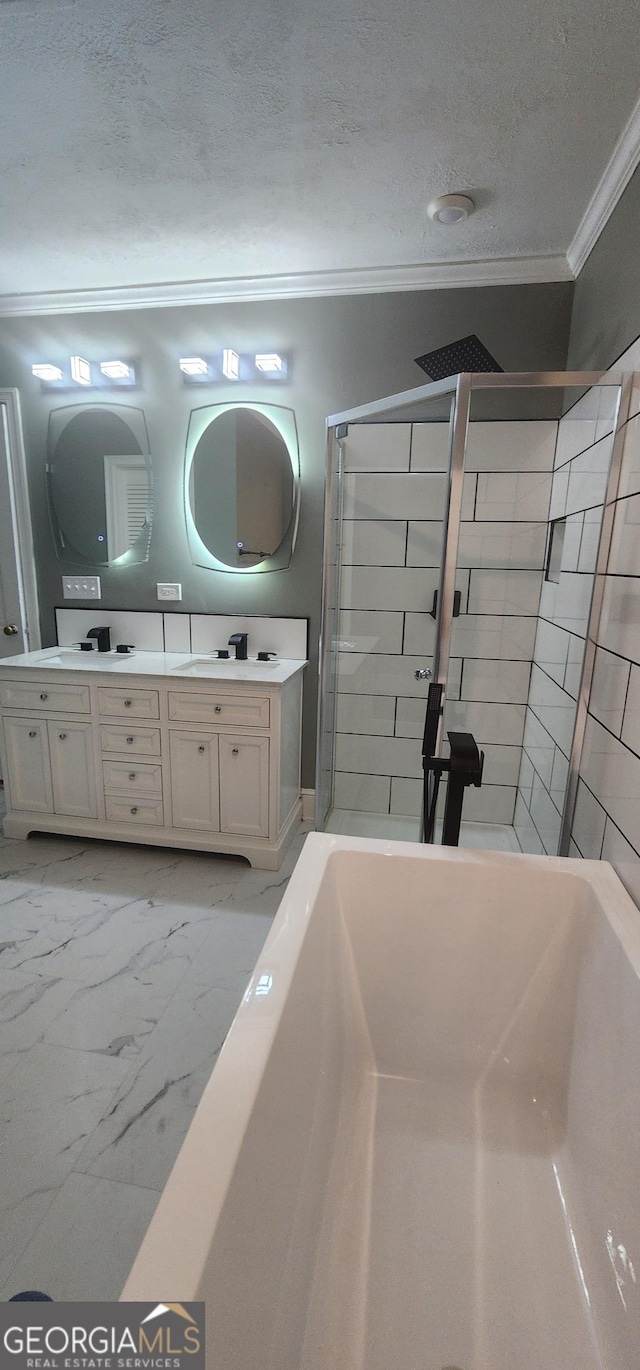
588, 557
624, 557
488, 722
392, 587
559, 778
554, 708
424, 543
559, 490
374, 542
496, 682
138, 628
371, 630
630, 469
612, 773
365, 793
377, 447
370, 495
430, 447
510, 496
410, 714
589, 819
286, 636
371, 674
551, 649
623, 858
406, 797
586, 490
525, 777
631, 724
499, 545
372, 714
525, 829
539, 747
177, 632
620, 616
420, 634
508, 446
469, 489
572, 538
504, 592
489, 804
501, 764
370, 755
609, 689
546, 817
572, 602
573, 671
505, 637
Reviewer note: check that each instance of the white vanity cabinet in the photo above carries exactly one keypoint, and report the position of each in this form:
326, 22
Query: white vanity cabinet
182, 762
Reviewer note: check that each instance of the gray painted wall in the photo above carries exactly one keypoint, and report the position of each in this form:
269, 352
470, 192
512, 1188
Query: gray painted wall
606, 311
345, 351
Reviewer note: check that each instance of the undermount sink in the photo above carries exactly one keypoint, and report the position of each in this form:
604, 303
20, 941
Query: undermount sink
97, 660
209, 665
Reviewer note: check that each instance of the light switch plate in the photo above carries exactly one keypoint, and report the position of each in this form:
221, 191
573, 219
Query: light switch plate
81, 587
169, 590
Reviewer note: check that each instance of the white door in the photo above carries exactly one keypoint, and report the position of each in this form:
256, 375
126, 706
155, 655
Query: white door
194, 780
18, 600
73, 769
29, 770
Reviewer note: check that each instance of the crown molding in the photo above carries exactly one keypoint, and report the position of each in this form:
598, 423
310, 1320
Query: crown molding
363, 281
614, 180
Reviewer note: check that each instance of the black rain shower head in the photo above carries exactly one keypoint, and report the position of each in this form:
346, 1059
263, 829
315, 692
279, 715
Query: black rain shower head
468, 354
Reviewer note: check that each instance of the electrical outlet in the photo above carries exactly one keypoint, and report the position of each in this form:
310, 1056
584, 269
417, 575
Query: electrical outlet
81, 587
169, 590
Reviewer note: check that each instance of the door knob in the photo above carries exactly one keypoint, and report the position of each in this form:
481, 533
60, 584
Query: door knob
10, 629
423, 674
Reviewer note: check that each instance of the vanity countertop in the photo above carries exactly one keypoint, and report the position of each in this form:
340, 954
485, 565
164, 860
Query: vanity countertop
171, 665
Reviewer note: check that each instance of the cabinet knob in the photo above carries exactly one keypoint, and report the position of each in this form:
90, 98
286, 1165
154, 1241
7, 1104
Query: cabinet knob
33, 733
218, 709
127, 703
135, 808
200, 749
235, 750
62, 736
129, 741
44, 696
132, 775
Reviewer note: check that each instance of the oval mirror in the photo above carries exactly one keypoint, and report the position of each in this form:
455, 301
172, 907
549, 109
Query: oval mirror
99, 480
241, 487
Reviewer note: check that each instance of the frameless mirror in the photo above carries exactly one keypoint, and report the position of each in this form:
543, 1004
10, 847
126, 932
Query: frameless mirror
99, 483
241, 487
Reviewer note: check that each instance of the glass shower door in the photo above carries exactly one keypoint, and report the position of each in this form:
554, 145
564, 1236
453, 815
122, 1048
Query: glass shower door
394, 500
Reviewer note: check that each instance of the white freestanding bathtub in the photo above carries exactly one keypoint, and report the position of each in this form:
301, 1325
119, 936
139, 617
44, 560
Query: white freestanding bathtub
420, 1147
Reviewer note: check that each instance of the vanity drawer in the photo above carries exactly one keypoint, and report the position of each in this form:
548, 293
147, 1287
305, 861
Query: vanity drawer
143, 779
126, 810
251, 711
133, 741
63, 699
128, 703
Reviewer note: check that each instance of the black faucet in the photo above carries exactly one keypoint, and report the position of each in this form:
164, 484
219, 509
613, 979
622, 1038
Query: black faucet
239, 641
104, 638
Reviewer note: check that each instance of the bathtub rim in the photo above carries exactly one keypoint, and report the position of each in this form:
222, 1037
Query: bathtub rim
172, 1258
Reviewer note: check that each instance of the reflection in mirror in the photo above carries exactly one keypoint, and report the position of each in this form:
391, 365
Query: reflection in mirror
99, 482
241, 486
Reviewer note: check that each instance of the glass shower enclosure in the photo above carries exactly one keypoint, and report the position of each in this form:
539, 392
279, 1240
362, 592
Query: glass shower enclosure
466, 523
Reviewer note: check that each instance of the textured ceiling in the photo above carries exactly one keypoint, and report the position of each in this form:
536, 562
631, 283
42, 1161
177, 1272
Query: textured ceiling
170, 140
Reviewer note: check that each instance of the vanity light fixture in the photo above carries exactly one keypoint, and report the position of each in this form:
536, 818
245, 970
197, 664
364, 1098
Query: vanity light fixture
80, 370
269, 362
194, 366
230, 364
117, 371
46, 371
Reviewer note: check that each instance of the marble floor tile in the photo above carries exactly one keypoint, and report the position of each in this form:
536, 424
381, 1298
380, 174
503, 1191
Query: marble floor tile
49, 1104
28, 1003
143, 1127
86, 1244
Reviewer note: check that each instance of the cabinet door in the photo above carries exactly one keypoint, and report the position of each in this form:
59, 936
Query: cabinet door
73, 769
195, 797
28, 767
244, 785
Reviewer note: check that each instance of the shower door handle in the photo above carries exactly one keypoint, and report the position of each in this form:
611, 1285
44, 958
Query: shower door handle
433, 612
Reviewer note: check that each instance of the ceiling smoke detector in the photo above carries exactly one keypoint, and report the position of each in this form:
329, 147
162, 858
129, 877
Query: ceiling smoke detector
450, 209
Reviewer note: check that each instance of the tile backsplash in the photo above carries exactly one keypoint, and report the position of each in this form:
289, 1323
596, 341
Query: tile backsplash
160, 632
